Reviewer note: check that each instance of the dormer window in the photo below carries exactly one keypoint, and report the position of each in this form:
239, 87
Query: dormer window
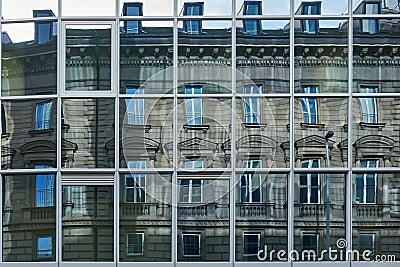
371, 25
132, 9
252, 27
193, 9
310, 8
44, 30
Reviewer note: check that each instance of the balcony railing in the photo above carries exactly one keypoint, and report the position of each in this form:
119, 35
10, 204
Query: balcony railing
264, 210
200, 211
310, 210
366, 211
40, 214
144, 209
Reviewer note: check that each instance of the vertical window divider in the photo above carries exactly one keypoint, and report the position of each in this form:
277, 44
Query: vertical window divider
232, 197
290, 182
174, 184
349, 180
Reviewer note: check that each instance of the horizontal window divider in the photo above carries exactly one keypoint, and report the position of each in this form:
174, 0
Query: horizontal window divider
87, 171
155, 96
24, 20
146, 171
377, 95
218, 171
144, 18
263, 17
264, 95
221, 17
376, 170
28, 171
202, 177
321, 170
322, 17
87, 94
263, 170
205, 95
376, 16
322, 95
89, 18
28, 97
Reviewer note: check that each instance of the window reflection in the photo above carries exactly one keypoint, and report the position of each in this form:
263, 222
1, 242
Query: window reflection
29, 217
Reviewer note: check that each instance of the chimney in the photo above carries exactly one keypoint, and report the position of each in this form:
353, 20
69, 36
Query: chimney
44, 30
132, 9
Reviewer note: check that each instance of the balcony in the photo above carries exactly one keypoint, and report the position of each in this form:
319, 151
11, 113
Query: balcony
367, 211
40, 214
310, 210
148, 210
199, 211
255, 210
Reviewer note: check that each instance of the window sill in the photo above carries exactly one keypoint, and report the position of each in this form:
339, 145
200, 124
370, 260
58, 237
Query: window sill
203, 128
318, 126
254, 125
369, 125
146, 128
41, 132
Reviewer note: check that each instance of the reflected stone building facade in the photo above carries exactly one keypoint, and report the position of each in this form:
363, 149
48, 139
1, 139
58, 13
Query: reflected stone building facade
189, 136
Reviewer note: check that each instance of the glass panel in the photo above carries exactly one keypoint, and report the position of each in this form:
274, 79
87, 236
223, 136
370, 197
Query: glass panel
203, 131
311, 219
30, 136
378, 73
202, 62
268, 138
25, 9
152, 7
93, 241
88, 8
271, 210
322, 62
134, 215
314, 117
88, 133
213, 241
145, 61
325, 7
367, 233
268, 7
263, 55
29, 61
29, 218
145, 126
210, 7
376, 131
88, 58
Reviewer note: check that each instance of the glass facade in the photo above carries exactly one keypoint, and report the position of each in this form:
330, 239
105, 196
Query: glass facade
178, 132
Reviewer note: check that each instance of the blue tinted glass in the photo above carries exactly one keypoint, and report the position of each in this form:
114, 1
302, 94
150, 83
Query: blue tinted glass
252, 10
44, 32
132, 11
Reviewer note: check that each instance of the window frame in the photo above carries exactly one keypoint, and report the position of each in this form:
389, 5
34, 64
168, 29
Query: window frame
364, 177
42, 236
252, 116
316, 249
128, 245
113, 63
258, 243
135, 107
370, 22
139, 183
367, 103
45, 115
305, 103
188, 26
184, 244
192, 116
306, 24
373, 235
249, 181
309, 186
190, 189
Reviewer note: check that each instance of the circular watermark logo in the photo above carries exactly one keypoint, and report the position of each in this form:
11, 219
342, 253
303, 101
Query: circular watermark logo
198, 133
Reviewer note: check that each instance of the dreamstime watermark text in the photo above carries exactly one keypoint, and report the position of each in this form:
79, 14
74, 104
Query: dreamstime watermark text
340, 254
